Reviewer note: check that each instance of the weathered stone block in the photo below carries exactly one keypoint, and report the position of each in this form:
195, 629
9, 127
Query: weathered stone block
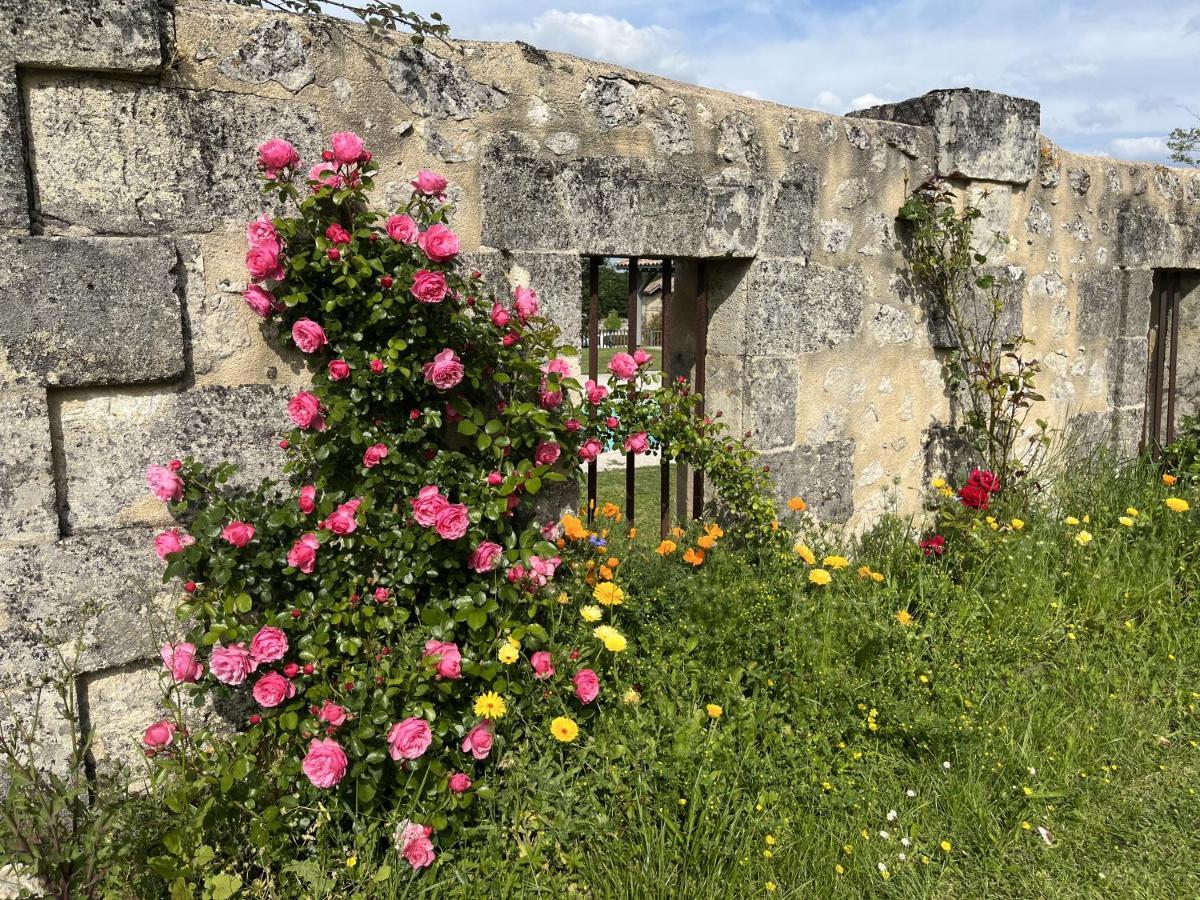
979, 134
118, 35
89, 310
433, 86
948, 453
132, 158
109, 441
823, 474
1158, 237
274, 51
1127, 363
557, 277
796, 308
771, 389
791, 228
975, 310
1117, 431
612, 99
14, 199
1114, 303
27, 511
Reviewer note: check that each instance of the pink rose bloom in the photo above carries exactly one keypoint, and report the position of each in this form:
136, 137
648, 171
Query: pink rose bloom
269, 645
543, 667
641, 357
344, 519
429, 287
263, 262
572, 425
159, 735
164, 484
180, 661
276, 154
272, 689
587, 685
623, 366
323, 173
439, 243
303, 554
347, 147
590, 450
430, 183
337, 234
460, 783
338, 369
595, 392
260, 300
308, 335
171, 541
543, 569
558, 366
478, 741
374, 455
452, 522
445, 371
549, 399
546, 453
525, 303
232, 664
325, 763
412, 840
428, 505
239, 534
500, 316
409, 739
261, 232
307, 500
494, 478
637, 443
332, 714
402, 229
485, 557
449, 664
305, 410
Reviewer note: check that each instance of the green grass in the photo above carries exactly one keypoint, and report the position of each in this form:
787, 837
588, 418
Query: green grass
605, 356
610, 487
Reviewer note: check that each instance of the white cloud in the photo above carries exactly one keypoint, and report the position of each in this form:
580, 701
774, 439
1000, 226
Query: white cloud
1150, 148
828, 101
867, 99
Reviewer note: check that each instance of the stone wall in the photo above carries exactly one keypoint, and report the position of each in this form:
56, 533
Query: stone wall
126, 164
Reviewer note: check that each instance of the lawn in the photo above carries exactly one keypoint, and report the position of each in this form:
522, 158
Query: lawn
610, 488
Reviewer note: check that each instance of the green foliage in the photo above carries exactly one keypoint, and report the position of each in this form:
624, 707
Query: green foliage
613, 298
1184, 144
376, 15
1182, 456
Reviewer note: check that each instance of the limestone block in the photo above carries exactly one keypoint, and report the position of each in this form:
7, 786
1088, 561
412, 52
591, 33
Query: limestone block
557, 278
1114, 303
1167, 237
738, 142
771, 390
979, 134
117, 35
109, 440
14, 200
433, 86
1127, 364
976, 308
822, 474
791, 228
274, 51
27, 511
24, 701
612, 99
1118, 431
794, 308
123, 157
82, 311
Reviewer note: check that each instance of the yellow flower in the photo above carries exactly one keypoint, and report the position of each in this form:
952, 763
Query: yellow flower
714, 711
631, 697
591, 613
1017, 524
351, 862
946, 846
819, 576
633, 533
610, 511
877, 577
1083, 538
1126, 521
1071, 520
803, 551
1169, 480
714, 530
564, 729
666, 548
613, 640
1131, 511
864, 571
609, 594
904, 617
514, 641
770, 887
770, 840
1177, 504
797, 505
573, 528
564, 598
677, 532
490, 706
508, 654
938, 483
835, 562
839, 869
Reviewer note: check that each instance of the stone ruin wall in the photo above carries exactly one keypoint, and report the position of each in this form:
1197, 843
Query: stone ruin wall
126, 177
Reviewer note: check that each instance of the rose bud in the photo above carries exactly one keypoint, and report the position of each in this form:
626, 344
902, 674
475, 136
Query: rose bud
255, 719
334, 254
387, 281
190, 587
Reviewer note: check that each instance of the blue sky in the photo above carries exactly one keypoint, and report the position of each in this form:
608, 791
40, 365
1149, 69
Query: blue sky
1113, 77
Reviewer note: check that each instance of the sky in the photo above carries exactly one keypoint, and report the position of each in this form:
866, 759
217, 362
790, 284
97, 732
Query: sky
1113, 77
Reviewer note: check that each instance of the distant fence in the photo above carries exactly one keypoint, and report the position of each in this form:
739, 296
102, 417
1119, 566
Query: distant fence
651, 337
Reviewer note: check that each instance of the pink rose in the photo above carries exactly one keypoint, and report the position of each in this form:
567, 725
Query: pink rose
572, 425
430, 183
323, 173
259, 299
164, 484
546, 453
548, 399
272, 689
641, 357
303, 555
261, 232
180, 661
171, 541
558, 366
159, 735
307, 501
429, 287
325, 763
485, 557
336, 234
263, 263
344, 519
595, 392
305, 410
374, 455
347, 147
269, 645
452, 522
460, 783
623, 366
409, 739
525, 303
637, 442
332, 714
232, 664
239, 534
338, 369
590, 450
449, 664
500, 316
276, 154
587, 685
439, 243
308, 335
494, 478
412, 840
402, 229
478, 741
445, 371
543, 666
542, 570
428, 505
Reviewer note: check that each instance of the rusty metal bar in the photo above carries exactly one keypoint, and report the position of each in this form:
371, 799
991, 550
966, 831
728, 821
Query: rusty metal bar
593, 367
1160, 363
1173, 284
664, 477
632, 329
698, 384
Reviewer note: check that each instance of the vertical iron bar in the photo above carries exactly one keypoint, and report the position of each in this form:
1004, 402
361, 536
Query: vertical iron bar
664, 478
593, 365
1147, 443
698, 385
1173, 282
1160, 362
632, 329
